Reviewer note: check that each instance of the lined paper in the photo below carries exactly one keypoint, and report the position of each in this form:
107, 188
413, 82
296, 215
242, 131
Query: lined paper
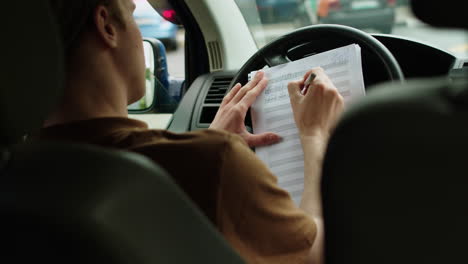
272, 111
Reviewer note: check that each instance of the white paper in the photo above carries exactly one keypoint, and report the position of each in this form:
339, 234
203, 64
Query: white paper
272, 111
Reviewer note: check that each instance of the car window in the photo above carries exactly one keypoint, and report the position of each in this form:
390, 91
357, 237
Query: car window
152, 25
269, 19
166, 89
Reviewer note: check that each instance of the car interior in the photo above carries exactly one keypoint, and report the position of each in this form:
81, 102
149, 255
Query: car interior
394, 173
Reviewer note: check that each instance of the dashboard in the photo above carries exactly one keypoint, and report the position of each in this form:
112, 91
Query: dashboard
417, 60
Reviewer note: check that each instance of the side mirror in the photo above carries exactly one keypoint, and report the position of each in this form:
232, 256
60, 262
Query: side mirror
162, 93
147, 101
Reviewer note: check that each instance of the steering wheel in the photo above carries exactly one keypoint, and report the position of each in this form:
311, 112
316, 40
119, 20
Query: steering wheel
378, 62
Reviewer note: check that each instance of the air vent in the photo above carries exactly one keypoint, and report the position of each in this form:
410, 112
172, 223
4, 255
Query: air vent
217, 90
216, 59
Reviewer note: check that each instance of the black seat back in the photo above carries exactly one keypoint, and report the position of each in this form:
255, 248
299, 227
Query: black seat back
395, 177
64, 203
31, 68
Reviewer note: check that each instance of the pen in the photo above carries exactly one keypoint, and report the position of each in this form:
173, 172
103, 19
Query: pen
307, 83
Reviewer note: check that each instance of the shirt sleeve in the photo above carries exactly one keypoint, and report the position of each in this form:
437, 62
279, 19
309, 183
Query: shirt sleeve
255, 215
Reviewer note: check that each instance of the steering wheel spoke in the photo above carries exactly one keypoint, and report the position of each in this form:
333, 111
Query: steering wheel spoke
276, 59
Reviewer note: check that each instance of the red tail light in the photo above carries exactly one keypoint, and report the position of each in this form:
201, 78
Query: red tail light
391, 2
169, 14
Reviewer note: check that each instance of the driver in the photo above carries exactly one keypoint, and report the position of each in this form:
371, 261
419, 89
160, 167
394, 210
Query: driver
105, 72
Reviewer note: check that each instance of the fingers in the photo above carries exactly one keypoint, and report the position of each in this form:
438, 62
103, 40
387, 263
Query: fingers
231, 94
294, 90
250, 85
322, 83
264, 139
252, 95
297, 89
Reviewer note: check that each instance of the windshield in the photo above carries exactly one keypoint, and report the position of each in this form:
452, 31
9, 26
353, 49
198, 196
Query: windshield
269, 19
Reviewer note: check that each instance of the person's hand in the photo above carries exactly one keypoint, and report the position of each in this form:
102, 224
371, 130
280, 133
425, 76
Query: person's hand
231, 114
318, 108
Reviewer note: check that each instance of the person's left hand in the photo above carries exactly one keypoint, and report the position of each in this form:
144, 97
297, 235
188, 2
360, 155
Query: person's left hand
231, 114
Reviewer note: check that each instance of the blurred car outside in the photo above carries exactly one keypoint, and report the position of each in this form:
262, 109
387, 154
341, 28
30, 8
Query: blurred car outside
376, 15
362, 14
403, 2
152, 25
274, 11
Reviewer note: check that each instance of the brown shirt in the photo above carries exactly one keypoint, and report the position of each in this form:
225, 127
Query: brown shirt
218, 171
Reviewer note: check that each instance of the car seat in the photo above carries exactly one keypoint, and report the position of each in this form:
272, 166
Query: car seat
395, 173
395, 177
68, 203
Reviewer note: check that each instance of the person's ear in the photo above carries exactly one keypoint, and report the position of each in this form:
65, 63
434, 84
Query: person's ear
105, 26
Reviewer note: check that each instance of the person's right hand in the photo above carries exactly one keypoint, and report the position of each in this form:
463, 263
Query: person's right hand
317, 111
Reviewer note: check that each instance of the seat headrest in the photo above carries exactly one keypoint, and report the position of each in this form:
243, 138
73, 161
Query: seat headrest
457, 92
448, 13
31, 68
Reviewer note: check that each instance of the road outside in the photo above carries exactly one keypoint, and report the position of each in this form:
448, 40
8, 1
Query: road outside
406, 25
176, 58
